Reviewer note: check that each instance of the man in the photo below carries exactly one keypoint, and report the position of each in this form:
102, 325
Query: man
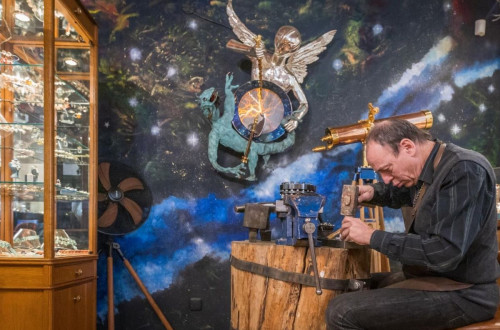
449, 250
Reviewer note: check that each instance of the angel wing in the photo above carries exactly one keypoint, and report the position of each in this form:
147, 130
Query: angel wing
298, 61
242, 32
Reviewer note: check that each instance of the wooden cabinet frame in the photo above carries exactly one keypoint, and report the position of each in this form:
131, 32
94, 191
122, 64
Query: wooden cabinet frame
51, 292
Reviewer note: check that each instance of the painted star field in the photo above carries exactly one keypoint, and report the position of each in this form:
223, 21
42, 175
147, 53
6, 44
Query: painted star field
402, 57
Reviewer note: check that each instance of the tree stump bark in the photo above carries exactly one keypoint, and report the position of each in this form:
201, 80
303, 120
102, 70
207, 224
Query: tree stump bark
258, 302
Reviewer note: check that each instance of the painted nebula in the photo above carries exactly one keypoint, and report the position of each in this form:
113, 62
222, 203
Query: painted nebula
157, 56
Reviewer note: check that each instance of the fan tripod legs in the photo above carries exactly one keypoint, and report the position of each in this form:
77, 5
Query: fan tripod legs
111, 308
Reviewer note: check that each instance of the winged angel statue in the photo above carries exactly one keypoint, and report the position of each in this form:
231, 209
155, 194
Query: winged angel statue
287, 67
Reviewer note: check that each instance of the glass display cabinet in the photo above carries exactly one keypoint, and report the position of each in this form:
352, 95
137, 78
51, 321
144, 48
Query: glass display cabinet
48, 164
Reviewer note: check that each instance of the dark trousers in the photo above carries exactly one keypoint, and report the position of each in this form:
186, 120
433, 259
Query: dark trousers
390, 308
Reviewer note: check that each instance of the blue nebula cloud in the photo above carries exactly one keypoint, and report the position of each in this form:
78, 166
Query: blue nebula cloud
179, 232
477, 71
416, 77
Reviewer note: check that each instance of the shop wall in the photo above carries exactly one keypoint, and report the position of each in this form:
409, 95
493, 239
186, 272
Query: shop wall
157, 56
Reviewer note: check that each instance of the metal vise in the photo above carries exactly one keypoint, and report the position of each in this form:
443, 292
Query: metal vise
299, 206
299, 210
256, 219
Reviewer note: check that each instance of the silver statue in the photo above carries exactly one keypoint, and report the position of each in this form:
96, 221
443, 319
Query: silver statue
287, 67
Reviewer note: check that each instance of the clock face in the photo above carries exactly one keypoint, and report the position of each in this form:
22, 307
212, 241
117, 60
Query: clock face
265, 107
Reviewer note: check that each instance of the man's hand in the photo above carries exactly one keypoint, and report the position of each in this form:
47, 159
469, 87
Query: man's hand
355, 230
365, 193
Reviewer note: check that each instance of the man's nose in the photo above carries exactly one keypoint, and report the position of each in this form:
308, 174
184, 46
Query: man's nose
387, 178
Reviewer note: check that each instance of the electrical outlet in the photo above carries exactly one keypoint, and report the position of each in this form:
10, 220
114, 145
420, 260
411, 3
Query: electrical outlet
195, 304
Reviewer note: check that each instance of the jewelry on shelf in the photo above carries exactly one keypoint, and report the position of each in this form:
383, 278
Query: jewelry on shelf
66, 155
11, 189
65, 243
35, 173
31, 253
73, 191
36, 133
62, 104
7, 127
6, 248
83, 108
20, 117
24, 153
66, 118
80, 87
32, 99
20, 85
4, 127
8, 58
72, 252
37, 8
79, 154
15, 167
70, 193
71, 198
62, 141
26, 239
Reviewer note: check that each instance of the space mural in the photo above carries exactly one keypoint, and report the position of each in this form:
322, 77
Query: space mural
155, 58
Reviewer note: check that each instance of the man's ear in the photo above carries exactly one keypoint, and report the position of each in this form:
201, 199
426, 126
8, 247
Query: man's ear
408, 146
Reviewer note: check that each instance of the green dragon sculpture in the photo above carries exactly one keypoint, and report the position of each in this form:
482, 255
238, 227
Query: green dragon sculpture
222, 133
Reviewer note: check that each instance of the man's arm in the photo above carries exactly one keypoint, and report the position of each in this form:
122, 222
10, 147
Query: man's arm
459, 213
355, 230
390, 196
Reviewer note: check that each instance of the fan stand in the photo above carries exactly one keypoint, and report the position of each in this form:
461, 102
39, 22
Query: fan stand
111, 305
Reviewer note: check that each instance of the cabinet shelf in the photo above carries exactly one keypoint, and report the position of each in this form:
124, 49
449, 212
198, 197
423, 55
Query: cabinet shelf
3, 184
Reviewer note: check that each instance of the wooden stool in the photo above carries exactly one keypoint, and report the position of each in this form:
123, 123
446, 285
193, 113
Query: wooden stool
491, 324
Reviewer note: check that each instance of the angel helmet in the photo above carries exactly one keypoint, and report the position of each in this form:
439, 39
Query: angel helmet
287, 40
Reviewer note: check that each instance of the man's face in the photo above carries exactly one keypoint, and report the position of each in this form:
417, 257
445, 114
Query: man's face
401, 170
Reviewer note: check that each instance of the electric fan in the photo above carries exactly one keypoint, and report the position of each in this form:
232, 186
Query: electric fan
124, 200
124, 204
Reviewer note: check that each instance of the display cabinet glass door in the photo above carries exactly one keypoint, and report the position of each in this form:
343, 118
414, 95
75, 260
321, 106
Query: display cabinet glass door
22, 154
72, 147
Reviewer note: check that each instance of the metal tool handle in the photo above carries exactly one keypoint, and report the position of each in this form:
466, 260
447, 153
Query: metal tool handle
309, 228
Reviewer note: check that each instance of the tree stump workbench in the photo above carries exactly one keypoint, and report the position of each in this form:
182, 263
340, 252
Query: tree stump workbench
259, 302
